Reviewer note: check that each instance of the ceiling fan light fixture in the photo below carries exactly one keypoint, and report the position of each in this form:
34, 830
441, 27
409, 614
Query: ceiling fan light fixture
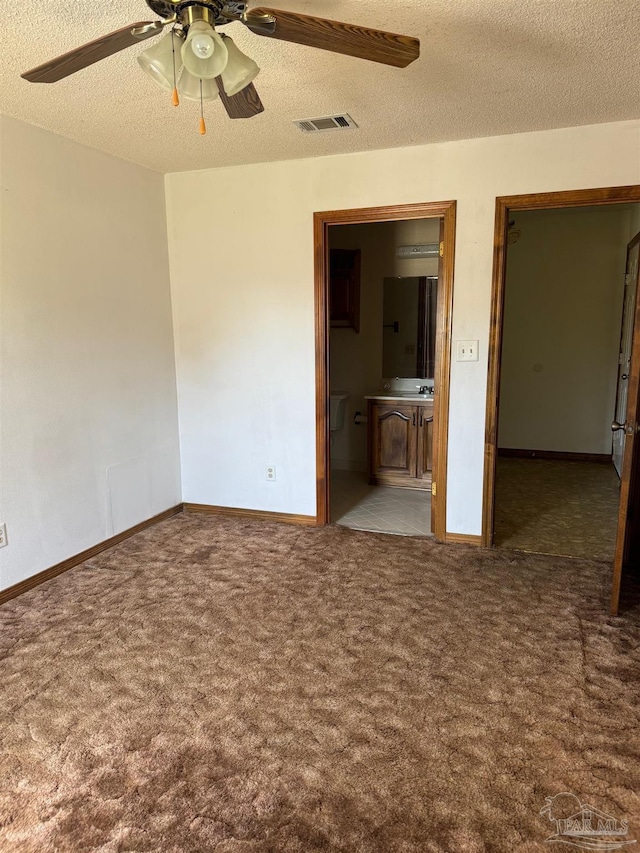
240, 69
189, 87
157, 61
204, 52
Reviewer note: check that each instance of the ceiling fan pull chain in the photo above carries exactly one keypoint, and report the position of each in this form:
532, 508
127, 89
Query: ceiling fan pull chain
175, 100
203, 126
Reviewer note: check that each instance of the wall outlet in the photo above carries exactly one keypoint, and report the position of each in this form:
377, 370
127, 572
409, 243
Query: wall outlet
467, 350
3, 535
271, 472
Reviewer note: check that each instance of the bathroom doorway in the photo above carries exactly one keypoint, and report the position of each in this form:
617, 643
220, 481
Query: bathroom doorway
383, 311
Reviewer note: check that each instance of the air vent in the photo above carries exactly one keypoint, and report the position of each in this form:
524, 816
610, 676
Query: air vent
420, 250
314, 125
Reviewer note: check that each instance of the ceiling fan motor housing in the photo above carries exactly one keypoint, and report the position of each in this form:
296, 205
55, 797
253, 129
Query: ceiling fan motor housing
213, 14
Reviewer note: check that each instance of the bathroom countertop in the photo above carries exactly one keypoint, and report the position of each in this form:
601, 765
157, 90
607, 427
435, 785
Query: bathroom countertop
406, 398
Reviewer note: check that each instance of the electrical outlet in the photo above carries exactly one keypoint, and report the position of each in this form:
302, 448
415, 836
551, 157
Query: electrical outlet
271, 472
3, 535
467, 350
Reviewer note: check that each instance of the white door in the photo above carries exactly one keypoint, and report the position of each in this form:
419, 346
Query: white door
624, 361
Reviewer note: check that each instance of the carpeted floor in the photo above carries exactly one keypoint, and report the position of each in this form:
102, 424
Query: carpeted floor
244, 687
557, 506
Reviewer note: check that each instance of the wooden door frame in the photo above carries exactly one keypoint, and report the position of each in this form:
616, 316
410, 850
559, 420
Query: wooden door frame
322, 221
505, 206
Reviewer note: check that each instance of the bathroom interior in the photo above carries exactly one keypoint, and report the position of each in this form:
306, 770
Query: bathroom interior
383, 298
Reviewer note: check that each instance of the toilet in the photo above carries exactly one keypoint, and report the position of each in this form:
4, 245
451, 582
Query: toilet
337, 411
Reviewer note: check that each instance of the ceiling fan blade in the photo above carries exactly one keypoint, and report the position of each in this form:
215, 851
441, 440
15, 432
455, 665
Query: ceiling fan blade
93, 51
245, 104
365, 43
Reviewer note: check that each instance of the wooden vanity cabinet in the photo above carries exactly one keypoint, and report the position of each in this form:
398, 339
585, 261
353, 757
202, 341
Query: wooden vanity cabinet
400, 443
424, 456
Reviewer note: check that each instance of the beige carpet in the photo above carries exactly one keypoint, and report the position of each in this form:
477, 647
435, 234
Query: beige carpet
244, 687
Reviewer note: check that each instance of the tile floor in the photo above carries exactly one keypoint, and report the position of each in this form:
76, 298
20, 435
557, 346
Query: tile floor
384, 509
557, 507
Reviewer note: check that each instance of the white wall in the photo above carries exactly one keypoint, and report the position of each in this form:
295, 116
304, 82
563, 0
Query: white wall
88, 418
356, 358
241, 252
562, 316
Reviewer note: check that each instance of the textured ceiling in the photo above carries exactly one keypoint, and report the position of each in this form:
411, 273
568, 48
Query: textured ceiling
488, 67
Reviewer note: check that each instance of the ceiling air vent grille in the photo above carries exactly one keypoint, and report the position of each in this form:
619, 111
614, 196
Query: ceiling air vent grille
314, 125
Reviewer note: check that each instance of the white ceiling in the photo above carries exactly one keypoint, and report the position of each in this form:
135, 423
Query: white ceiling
487, 67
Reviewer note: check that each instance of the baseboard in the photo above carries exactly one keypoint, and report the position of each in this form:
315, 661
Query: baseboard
462, 539
52, 572
566, 455
262, 515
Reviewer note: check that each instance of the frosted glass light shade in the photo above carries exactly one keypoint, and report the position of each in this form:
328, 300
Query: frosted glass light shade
189, 88
204, 67
157, 61
240, 69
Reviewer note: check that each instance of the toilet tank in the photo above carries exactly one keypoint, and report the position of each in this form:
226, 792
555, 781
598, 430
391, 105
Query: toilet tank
337, 410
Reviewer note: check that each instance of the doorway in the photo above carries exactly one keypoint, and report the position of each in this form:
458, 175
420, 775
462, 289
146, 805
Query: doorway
558, 294
403, 420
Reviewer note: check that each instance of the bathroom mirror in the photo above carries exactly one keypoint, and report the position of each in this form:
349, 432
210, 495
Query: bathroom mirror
408, 326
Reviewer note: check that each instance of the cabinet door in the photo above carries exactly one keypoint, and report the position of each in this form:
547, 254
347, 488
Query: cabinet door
393, 445
425, 443
344, 288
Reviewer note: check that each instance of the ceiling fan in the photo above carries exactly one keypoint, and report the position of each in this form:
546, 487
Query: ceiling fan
195, 60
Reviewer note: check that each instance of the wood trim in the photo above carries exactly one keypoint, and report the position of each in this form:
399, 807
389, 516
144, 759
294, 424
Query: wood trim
463, 539
493, 377
568, 456
321, 300
70, 563
321, 223
572, 198
505, 205
444, 323
261, 515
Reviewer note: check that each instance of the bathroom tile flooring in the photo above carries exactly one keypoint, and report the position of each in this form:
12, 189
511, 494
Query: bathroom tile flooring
383, 509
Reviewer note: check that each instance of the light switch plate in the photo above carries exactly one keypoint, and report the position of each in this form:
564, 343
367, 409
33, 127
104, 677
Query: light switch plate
467, 350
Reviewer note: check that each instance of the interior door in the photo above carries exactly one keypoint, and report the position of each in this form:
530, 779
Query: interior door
628, 536
624, 361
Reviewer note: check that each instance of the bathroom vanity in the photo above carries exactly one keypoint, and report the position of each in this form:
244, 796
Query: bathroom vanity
400, 438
